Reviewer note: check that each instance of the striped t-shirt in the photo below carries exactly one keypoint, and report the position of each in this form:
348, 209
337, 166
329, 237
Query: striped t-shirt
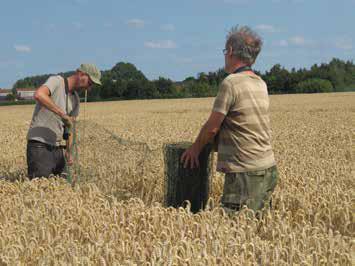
244, 139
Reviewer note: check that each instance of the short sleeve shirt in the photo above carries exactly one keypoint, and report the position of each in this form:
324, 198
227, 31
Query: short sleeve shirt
244, 139
46, 126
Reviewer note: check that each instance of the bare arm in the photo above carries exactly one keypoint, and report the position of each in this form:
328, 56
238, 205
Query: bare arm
209, 130
207, 133
42, 95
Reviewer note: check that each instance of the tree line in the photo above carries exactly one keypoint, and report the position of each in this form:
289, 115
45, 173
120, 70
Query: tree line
125, 81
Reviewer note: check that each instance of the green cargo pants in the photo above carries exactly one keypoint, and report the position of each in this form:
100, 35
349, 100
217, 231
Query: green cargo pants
251, 189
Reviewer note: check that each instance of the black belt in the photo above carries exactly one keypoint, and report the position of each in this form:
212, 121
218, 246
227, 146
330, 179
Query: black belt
52, 147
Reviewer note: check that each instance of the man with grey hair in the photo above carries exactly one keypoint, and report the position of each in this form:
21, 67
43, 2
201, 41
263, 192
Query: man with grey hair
240, 125
56, 108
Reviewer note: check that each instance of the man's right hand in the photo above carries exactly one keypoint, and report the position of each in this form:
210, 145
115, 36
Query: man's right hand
68, 121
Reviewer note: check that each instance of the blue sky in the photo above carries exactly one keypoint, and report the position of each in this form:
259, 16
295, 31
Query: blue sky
173, 39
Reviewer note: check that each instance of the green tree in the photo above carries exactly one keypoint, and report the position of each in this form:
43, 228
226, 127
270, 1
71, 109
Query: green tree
125, 81
164, 86
200, 89
126, 71
278, 79
314, 85
11, 97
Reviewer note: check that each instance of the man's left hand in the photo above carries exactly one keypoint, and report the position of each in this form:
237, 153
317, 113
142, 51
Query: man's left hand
190, 157
68, 121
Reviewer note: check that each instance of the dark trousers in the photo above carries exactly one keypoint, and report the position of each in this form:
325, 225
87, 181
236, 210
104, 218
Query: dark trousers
44, 160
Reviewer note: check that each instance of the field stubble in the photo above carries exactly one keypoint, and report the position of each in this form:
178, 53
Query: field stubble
114, 215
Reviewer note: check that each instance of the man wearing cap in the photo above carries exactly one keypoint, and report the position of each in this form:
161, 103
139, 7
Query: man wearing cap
56, 108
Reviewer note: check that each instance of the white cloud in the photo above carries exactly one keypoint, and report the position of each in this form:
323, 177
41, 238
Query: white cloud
50, 27
81, 2
303, 42
288, 1
281, 43
237, 1
166, 44
344, 44
266, 28
22, 48
184, 60
136, 23
298, 40
167, 27
77, 25
108, 25
11, 63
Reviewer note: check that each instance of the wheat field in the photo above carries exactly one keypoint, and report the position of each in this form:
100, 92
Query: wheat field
114, 215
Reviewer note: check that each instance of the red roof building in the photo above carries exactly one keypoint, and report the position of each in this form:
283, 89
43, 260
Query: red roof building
25, 93
4, 93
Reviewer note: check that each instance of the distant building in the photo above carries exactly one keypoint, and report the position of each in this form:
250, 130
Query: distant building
4, 93
25, 93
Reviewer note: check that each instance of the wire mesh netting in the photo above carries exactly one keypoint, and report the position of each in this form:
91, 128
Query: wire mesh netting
126, 168
119, 167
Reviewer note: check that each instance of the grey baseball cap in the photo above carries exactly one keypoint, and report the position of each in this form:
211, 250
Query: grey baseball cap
92, 71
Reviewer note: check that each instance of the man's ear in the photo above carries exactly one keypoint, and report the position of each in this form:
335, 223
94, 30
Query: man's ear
78, 76
230, 50
79, 73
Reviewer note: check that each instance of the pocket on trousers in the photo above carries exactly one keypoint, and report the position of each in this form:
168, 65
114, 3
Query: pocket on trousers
235, 189
38, 160
35, 152
272, 179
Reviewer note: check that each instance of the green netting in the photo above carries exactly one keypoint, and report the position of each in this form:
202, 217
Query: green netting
126, 168
72, 172
117, 166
